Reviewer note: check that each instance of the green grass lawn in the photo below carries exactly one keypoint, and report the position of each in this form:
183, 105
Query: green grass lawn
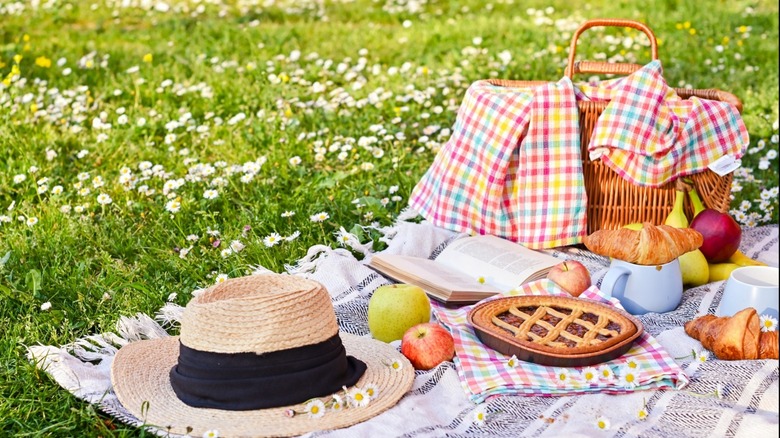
150, 150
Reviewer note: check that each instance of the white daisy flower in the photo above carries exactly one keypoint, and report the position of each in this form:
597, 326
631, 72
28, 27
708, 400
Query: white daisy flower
768, 323
32, 220
45, 306
602, 423
358, 397
701, 355
606, 373
642, 414
319, 217
512, 362
480, 415
173, 206
315, 408
184, 252
237, 246
628, 377
590, 375
337, 403
633, 364
396, 365
272, 239
221, 278
293, 236
372, 390
213, 433
288, 214
225, 253
562, 376
210, 194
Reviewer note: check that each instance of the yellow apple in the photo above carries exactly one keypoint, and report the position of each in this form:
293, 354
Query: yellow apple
395, 308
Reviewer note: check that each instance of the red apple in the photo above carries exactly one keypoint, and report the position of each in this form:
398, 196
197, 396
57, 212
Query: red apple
721, 233
571, 276
427, 345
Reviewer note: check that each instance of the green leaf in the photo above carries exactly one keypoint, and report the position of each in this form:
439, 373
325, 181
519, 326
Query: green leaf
33, 280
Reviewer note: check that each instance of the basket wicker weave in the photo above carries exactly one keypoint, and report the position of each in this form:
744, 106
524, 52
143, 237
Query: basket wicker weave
612, 200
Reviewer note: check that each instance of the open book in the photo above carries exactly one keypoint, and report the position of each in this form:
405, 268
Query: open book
468, 269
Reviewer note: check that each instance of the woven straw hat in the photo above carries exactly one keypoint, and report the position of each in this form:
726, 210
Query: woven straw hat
255, 314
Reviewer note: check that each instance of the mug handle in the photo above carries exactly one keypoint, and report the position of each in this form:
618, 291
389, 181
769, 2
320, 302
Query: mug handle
610, 280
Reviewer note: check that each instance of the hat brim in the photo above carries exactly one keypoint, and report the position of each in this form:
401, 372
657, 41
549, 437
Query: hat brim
140, 377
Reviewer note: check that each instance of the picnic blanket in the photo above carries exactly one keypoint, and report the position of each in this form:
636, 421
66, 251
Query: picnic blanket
437, 404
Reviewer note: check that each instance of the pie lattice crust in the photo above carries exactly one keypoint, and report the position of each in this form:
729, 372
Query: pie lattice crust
554, 324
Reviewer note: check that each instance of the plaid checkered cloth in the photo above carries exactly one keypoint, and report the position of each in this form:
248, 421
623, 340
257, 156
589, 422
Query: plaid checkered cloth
485, 373
650, 136
512, 167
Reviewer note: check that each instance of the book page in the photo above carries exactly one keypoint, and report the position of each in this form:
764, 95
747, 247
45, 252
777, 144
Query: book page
438, 280
501, 263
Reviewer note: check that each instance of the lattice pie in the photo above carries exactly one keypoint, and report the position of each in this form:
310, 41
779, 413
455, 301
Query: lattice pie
554, 324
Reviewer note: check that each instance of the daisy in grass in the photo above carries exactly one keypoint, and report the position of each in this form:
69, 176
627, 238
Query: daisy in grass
345, 238
173, 206
562, 376
602, 423
210, 194
590, 376
293, 236
315, 408
237, 246
272, 239
606, 373
221, 278
319, 217
358, 397
104, 199
480, 415
32, 220
629, 377
768, 323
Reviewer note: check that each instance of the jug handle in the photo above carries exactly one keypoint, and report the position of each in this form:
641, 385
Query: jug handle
611, 278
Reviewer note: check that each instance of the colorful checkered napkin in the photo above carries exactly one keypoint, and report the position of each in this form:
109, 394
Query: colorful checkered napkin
485, 372
650, 136
512, 167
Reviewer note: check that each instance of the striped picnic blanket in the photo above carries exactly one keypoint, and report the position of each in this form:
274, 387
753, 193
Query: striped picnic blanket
437, 404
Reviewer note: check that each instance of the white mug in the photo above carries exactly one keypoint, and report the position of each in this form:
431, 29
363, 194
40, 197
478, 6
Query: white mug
644, 288
751, 286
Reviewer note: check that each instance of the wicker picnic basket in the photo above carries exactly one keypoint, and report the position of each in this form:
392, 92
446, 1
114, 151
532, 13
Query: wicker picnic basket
612, 200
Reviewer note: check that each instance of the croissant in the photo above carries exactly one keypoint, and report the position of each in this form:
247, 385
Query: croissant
735, 337
652, 245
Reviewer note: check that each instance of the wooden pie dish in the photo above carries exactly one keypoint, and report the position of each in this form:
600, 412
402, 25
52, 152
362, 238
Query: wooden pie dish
555, 330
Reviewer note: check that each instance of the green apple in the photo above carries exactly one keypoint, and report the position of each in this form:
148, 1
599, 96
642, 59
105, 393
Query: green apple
395, 308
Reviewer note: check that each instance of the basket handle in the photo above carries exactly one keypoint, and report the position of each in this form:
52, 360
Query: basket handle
607, 67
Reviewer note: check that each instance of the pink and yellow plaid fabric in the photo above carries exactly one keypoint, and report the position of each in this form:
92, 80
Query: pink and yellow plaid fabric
485, 372
512, 167
650, 136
